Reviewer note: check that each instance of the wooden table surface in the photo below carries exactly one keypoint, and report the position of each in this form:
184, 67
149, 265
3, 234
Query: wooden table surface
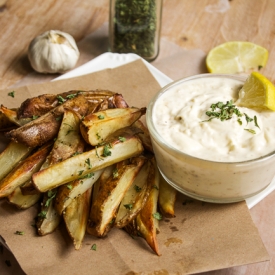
189, 30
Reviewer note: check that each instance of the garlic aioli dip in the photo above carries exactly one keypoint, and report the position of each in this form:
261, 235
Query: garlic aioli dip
211, 160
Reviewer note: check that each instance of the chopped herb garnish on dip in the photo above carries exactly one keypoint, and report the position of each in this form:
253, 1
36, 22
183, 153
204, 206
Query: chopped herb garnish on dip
225, 111
255, 122
100, 117
250, 131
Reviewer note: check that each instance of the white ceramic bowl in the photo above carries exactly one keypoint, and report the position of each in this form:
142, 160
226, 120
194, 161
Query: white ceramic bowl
211, 181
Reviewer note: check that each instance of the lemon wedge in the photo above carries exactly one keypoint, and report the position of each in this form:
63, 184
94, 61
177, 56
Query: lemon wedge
257, 92
236, 57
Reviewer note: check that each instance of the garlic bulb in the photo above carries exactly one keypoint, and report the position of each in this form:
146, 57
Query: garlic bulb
53, 52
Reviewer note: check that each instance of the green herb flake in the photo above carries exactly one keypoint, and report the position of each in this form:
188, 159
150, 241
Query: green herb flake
240, 121
87, 176
76, 153
106, 150
69, 186
80, 172
19, 232
11, 94
88, 162
98, 136
51, 194
222, 111
137, 188
256, 122
71, 96
128, 206
122, 139
247, 118
250, 131
42, 215
93, 247
34, 117
100, 117
60, 99
157, 216
96, 153
115, 173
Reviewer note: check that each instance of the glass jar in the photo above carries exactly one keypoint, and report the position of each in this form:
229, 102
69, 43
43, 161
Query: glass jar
134, 27
196, 176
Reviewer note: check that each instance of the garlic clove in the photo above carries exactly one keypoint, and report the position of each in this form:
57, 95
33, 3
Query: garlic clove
53, 52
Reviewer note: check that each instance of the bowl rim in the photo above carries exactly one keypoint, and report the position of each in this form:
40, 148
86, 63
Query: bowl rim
163, 144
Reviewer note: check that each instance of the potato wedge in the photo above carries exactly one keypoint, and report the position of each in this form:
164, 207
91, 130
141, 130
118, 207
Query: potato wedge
11, 156
23, 201
97, 126
144, 136
28, 188
68, 192
23, 171
48, 218
104, 208
167, 198
11, 115
69, 140
46, 127
5, 123
147, 218
88, 162
135, 198
40, 105
76, 217
106, 173
117, 101
67, 143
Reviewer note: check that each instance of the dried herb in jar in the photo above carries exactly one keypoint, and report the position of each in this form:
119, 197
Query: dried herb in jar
135, 27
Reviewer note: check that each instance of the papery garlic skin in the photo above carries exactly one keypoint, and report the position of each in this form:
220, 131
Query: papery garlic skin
53, 52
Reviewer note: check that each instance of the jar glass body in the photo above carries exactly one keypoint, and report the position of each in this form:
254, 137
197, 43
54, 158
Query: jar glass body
134, 27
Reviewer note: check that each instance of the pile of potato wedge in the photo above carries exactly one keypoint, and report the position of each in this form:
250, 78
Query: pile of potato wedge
84, 157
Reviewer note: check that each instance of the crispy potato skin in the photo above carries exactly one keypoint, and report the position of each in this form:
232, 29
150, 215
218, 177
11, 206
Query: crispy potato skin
42, 104
117, 101
5, 123
46, 127
26, 167
37, 106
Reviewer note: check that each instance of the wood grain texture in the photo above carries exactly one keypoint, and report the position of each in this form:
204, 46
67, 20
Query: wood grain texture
205, 24
188, 27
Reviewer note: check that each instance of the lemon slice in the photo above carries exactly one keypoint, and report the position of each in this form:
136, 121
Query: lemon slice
236, 57
257, 92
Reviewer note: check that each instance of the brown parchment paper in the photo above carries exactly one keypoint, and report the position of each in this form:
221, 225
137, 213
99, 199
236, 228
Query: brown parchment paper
201, 237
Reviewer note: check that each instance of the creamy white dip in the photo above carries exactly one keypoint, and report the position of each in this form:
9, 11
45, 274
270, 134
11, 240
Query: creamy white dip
179, 116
